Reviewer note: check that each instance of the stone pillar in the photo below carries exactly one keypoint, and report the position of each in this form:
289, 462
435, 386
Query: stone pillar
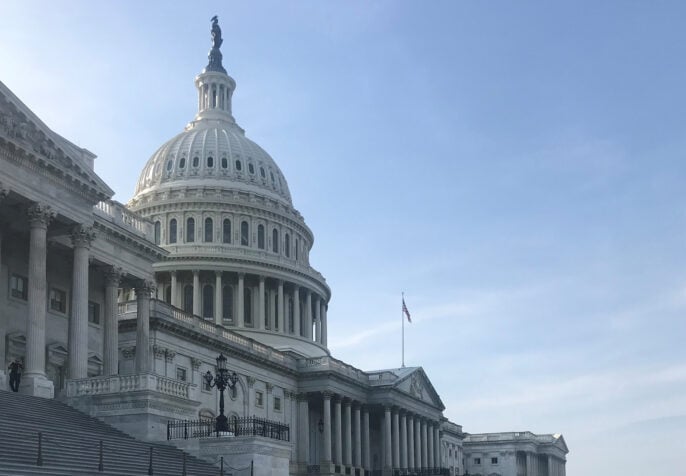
388, 452
174, 290
366, 458
529, 464
550, 466
111, 323
357, 436
437, 446
260, 304
418, 444
410, 442
81, 238
403, 440
296, 310
395, 438
34, 381
144, 290
327, 427
240, 317
218, 303
430, 444
347, 433
338, 430
196, 293
317, 322
425, 461
304, 430
308, 315
280, 307
324, 325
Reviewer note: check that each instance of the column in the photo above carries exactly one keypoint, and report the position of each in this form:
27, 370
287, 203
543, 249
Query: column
403, 439
327, 426
304, 429
366, 458
308, 315
174, 290
111, 323
239, 299
347, 433
437, 446
410, 442
296, 310
218, 301
280, 307
418, 463
550, 466
425, 461
144, 290
34, 381
318, 324
260, 304
430, 444
388, 457
395, 438
357, 436
338, 451
196, 293
324, 325
81, 238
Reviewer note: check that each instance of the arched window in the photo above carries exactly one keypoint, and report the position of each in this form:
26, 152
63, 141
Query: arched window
239, 166
276, 313
196, 161
287, 245
190, 230
266, 311
182, 163
260, 236
208, 301
169, 165
208, 230
245, 234
251, 168
158, 232
188, 298
275, 240
210, 161
291, 320
247, 306
297, 248
226, 231
262, 172
227, 303
225, 163
172, 231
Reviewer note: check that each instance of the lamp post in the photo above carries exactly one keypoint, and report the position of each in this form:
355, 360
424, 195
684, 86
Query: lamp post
221, 380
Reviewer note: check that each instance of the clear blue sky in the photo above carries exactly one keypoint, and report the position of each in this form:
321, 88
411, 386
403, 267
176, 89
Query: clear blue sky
516, 167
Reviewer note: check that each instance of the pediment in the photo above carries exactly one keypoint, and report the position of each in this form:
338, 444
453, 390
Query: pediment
71, 163
417, 384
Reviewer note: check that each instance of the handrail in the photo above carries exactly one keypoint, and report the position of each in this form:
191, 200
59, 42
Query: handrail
248, 426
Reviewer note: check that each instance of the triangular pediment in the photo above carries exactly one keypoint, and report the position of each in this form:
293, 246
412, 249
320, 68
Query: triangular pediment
22, 128
415, 382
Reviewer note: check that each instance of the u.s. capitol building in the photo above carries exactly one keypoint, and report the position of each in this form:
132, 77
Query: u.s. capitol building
120, 310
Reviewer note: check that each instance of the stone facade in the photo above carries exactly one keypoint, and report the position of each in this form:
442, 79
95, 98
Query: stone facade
121, 310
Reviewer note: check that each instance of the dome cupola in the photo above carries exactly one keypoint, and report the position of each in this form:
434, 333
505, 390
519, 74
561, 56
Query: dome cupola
238, 249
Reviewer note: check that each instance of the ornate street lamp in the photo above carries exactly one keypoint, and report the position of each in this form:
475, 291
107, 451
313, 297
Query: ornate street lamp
221, 380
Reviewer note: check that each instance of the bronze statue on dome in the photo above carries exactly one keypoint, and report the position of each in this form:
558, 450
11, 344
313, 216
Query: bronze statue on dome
216, 33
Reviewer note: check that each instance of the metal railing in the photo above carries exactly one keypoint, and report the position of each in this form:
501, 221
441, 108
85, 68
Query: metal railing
250, 426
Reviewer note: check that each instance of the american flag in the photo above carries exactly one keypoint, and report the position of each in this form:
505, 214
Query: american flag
406, 312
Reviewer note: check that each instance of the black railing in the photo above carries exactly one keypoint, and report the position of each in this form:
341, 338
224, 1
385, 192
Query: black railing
421, 472
250, 426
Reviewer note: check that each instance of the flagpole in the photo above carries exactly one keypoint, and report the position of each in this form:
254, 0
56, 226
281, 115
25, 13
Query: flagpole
402, 319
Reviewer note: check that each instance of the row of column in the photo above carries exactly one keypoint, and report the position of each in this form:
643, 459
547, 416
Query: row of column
554, 466
35, 380
314, 312
408, 440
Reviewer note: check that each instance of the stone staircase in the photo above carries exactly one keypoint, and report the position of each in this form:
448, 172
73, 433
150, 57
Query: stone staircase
71, 444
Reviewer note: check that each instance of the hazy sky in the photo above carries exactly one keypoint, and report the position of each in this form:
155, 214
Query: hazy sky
516, 167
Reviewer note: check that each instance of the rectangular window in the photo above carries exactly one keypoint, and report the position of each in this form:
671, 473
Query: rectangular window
477, 460
58, 300
277, 404
93, 312
19, 287
259, 399
206, 385
494, 460
181, 374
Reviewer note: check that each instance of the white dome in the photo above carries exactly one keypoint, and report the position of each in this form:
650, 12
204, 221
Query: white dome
213, 153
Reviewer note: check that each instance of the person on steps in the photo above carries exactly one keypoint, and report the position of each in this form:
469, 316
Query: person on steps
15, 374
